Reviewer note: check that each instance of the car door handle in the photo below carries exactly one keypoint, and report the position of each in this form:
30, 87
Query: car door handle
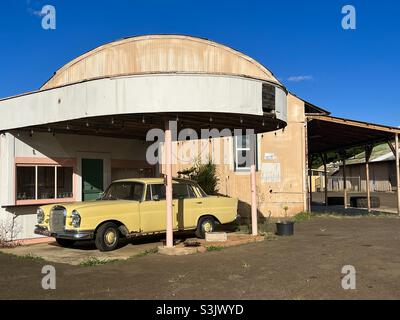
199, 202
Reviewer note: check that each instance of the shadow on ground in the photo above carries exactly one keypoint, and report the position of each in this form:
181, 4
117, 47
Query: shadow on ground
341, 211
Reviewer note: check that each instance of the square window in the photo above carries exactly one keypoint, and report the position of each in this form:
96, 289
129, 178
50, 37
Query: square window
26, 183
46, 182
64, 182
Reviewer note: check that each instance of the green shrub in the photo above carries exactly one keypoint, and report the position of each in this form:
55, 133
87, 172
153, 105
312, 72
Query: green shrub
204, 174
302, 216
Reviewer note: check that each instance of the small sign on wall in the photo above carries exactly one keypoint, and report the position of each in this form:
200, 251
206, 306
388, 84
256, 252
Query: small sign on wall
271, 172
269, 156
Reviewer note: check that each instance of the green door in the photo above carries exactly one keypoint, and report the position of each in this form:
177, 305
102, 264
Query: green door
92, 179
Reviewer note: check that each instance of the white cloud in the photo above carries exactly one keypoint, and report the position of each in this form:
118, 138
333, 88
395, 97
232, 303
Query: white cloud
300, 78
32, 11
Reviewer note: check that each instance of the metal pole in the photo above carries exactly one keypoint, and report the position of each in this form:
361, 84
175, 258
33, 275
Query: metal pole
307, 203
324, 159
168, 188
310, 178
367, 156
344, 183
254, 226
326, 181
397, 172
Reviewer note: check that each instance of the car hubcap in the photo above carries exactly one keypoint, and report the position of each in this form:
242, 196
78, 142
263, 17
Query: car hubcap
207, 227
110, 237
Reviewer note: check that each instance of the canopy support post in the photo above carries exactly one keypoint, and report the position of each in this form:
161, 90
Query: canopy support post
253, 186
344, 182
324, 159
397, 171
368, 151
254, 222
168, 182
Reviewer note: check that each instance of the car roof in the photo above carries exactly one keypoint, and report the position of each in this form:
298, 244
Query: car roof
154, 180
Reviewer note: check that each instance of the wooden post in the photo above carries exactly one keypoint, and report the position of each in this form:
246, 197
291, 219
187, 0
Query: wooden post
253, 186
254, 227
368, 151
324, 159
310, 179
168, 188
306, 167
344, 182
397, 171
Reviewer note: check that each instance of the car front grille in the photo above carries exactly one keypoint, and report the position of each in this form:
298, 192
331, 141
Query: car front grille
57, 219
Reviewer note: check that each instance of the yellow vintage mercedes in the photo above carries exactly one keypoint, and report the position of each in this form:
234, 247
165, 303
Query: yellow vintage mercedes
133, 207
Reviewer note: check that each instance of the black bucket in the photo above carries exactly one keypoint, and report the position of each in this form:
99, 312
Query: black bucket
285, 228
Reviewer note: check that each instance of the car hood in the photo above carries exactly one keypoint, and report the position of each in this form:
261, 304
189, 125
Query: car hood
93, 204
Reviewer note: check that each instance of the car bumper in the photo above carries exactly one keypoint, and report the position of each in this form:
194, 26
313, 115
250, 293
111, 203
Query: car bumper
66, 234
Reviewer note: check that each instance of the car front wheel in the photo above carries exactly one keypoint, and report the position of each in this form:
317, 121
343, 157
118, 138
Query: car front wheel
206, 224
107, 237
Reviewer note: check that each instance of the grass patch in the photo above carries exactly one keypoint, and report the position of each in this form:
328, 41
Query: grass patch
94, 261
270, 236
147, 252
31, 256
214, 248
303, 216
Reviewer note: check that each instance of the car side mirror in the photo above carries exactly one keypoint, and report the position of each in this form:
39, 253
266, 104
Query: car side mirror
100, 196
156, 197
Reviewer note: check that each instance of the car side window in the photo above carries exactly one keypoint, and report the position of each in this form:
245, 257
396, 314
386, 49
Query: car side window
183, 191
158, 191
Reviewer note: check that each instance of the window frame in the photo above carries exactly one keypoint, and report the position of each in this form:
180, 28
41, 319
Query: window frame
45, 162
253, 146
149, 187
143, 195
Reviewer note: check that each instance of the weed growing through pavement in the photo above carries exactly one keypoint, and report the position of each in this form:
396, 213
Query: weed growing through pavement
31, 256
94, 261
147, 252
214, 248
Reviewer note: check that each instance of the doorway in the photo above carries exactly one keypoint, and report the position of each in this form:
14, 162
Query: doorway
92, 179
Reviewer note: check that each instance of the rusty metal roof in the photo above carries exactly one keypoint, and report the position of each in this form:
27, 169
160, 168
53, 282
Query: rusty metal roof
327, 133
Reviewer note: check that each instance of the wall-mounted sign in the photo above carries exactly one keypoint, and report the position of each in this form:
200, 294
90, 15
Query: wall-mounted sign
271, 172
269, 156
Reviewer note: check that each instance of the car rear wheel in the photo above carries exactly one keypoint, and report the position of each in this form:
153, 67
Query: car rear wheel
67, 243
107, 237
206, 224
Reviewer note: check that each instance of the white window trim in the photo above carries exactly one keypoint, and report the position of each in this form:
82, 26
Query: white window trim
236, 168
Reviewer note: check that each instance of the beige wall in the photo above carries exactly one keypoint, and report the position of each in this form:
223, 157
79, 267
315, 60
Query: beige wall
288, 150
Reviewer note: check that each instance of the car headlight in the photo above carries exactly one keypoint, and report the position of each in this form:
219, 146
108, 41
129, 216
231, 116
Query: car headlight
76, 219
40, 215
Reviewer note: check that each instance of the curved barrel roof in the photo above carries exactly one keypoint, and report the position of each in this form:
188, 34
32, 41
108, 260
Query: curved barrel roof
158, 54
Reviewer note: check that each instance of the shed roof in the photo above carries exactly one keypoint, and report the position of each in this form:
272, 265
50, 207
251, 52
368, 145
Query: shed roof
327, 133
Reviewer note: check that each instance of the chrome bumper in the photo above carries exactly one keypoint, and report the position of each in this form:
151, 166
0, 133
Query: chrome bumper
66, 234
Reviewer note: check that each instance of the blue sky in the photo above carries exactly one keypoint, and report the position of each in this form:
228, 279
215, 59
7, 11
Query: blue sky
352, 73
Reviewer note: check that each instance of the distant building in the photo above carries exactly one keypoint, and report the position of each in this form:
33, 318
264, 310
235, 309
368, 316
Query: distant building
382, 172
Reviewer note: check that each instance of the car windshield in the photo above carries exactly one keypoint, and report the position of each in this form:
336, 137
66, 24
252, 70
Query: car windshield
124, 191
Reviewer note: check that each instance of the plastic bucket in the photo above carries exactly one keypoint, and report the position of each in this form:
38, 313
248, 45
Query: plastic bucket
285, 228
